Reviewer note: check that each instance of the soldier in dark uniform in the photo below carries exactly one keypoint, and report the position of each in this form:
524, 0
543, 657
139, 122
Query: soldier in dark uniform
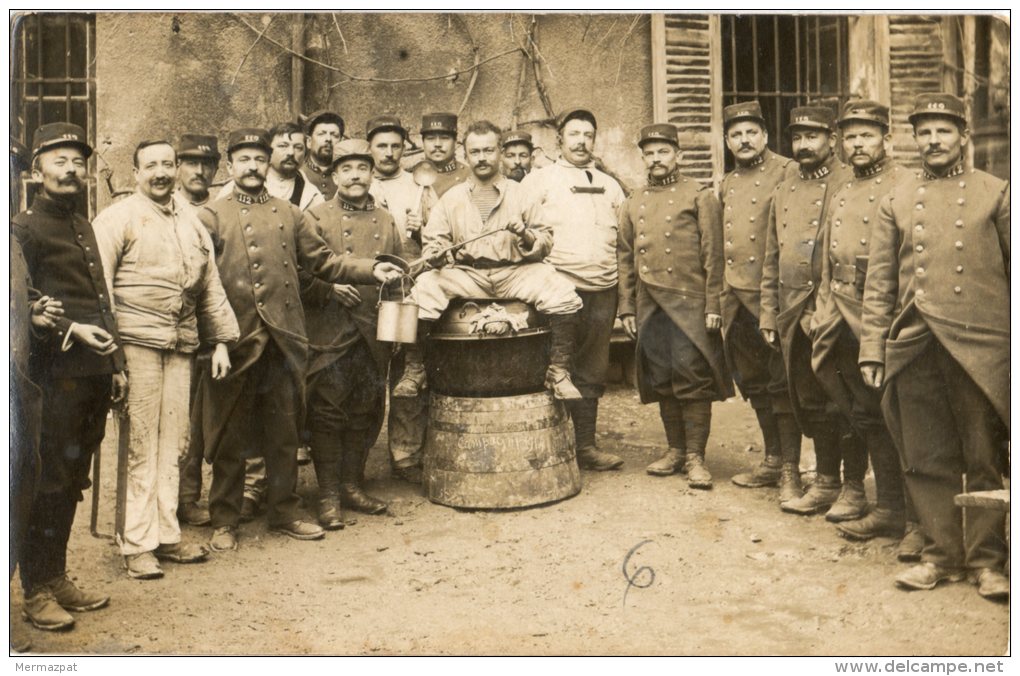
746, 194
259, 242
197, 161
439, 137
517, 149
325, 130
198, 158
790, 277
836, 324
936, 333
79, 366
671, 269
347, 365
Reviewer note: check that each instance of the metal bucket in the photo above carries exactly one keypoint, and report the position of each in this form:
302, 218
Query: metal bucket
499, 452
398, 320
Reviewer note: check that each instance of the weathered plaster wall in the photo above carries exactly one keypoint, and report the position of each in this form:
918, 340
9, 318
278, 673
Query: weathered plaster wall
153, 81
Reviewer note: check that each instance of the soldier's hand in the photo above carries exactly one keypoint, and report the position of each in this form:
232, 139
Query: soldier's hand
385, 273
45, 312
517, 228
713, 322
438, 261
873, 374
771, 338
94, 338
413, 222
346, 294
629, 325
220, 363
120, 388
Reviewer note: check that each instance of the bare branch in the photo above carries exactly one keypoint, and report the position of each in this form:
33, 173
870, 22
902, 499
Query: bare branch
338, 32
245, 57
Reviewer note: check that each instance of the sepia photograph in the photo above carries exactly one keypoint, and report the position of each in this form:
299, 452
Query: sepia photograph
510, 333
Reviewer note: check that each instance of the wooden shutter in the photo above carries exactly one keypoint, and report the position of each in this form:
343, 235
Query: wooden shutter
685, 83
916, 66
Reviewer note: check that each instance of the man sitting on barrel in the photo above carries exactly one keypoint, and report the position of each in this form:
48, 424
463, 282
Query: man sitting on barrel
506, 264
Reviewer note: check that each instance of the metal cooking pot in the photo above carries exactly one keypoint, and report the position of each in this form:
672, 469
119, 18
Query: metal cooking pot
464, 364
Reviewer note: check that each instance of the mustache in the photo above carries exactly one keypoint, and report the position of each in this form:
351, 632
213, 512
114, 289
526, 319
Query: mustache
69, 180
804, 154
580, 148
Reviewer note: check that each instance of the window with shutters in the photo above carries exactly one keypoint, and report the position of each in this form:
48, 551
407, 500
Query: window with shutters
784, 62
53, 80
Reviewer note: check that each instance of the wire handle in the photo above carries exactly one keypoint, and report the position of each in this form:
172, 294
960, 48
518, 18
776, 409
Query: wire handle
403, 293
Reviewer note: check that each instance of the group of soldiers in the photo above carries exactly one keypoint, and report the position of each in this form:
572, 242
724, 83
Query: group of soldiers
863, 306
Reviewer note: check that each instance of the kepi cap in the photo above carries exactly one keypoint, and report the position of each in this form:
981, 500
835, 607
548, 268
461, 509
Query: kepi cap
516, 136
384, 123
942, 104
658, 132
865, 111
575, 114
199, 146
741, 112
249, 136
352, 147
814, 117
439, 123
324, 116
57, 134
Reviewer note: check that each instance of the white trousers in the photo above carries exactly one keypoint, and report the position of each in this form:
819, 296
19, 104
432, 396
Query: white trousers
158, 388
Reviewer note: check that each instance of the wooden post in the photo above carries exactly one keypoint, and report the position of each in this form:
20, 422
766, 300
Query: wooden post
715, 97
969, 82
660, 112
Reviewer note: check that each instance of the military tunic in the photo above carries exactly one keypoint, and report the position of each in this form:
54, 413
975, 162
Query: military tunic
746, 194
450, 175
63, 261
936, 315
837, 320
259, 244
836, 324
320, 178
347, 366
790, 276
670, 259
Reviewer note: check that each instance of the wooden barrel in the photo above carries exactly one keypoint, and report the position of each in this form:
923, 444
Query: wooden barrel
499, 452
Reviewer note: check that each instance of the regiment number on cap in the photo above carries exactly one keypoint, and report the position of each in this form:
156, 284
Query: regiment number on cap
802, 118
251, 137
936, 105
205, 149
69, 137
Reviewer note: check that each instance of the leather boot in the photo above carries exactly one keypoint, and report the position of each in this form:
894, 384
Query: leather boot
671, 411
671, 463
413, 381
698, 475
910, 547
352, 467
789, 438
769, 471
583, 416
697, 416
790, 487
561, 353
330, 515
880, 522
823, 492
851, 504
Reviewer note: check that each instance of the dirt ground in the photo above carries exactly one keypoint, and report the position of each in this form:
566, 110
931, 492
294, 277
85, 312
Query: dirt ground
720, 573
